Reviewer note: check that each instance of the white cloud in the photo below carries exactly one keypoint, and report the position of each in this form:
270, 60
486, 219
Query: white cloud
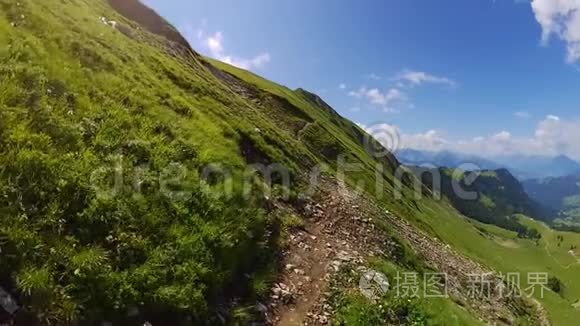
418, 78
502, 136
432, 140
376, 97
261, 59
552, 136
213, 45
214, 42
522, 115
342, 86
359, 93
393, 99
561, 19
388, 109
373, 76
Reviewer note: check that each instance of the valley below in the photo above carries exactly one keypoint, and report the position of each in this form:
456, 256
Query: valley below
143, 183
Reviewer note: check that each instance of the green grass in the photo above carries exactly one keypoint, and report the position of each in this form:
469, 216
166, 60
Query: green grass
571, 202
82, 106
487, 202
570, 213
355, 309
505, 252
81, 101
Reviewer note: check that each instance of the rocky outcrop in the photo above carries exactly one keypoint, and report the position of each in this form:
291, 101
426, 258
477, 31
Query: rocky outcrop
148, 19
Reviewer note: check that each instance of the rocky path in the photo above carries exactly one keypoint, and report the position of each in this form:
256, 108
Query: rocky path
339, 230
336, 233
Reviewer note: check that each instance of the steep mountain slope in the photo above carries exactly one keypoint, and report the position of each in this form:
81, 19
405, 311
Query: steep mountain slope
141, 182
125, 166
552, 191
151, 21
561, 194
492, 197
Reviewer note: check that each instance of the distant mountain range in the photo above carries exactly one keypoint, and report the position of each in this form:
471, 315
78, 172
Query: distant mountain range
540, 167
523, 167
499, 196
561, 194
445, 159
551, 192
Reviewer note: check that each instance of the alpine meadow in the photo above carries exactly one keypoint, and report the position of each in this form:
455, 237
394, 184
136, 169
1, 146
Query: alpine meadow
145, 183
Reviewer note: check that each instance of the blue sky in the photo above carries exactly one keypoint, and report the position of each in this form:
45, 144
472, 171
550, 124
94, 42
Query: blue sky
468, 75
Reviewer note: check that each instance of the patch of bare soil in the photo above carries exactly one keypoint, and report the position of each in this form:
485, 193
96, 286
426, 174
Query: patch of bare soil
339, 231
507, 243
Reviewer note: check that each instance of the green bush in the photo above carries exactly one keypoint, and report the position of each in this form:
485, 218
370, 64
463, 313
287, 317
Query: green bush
555, 285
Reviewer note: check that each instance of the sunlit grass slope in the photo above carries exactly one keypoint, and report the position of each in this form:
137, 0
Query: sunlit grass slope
85, 106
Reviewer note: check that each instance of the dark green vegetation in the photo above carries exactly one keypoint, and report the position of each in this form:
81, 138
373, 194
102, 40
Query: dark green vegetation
107, 207
491, 197
561, 194
97, 127
553, 191
105, 135
354, 309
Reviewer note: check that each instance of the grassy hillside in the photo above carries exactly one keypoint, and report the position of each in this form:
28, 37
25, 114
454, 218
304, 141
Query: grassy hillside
569, 215
562, 194
491, 197
106, 131
107, 209
101, 131
552, 191
506, 252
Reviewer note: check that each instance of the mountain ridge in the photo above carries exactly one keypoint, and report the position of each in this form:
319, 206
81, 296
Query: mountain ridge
562, 194
140, 13
489, 196
137, 186
522, 166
